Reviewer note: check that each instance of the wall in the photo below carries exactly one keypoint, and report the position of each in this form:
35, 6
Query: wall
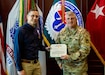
5, 7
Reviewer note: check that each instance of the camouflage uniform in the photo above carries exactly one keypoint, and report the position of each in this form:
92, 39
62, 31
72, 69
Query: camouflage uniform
78, 48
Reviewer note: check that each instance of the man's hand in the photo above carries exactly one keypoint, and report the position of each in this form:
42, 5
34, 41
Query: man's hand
60, 66
47, 48
21, 72
64, 57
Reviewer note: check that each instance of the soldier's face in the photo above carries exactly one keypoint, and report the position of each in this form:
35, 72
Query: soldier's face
32, 17
71, 20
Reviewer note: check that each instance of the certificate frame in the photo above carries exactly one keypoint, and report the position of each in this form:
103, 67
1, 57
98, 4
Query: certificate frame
57, 50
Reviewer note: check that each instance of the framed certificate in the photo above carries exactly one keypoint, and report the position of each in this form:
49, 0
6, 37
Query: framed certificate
57, 50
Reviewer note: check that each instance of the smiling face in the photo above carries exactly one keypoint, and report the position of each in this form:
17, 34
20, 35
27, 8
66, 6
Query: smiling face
71, 20
32, 18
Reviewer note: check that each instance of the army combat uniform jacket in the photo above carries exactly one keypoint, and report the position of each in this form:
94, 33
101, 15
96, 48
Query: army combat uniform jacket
78, 48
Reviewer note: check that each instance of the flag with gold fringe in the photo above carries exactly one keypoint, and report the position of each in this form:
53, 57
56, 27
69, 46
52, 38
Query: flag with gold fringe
12, 25
15, 19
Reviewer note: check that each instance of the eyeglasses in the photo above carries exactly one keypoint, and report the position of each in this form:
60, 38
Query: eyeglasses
34, 16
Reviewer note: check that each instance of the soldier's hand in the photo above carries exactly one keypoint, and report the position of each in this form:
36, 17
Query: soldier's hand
60, 66
64, 57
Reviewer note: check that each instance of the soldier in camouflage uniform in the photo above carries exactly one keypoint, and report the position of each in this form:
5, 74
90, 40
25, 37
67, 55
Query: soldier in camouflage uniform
77, 40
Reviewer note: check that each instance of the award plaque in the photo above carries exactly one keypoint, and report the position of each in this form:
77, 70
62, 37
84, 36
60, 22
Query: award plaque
57, 50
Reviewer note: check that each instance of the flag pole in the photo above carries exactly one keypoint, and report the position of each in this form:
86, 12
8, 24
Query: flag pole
99, 56
45, 40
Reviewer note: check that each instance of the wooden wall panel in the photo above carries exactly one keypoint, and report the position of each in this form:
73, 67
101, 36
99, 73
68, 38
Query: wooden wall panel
5, 7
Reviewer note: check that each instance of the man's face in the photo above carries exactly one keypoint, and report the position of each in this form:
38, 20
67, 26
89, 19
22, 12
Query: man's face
71, 20
32, 17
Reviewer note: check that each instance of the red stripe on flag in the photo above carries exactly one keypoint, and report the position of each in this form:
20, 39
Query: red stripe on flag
10, 51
